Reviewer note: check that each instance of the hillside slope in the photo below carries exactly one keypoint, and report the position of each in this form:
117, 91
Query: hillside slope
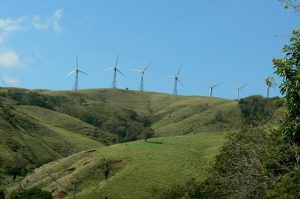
137, 167
33, 136
166, 114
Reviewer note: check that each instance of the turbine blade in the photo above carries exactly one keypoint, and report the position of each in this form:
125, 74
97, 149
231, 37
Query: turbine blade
180, 82
179, 71
70, 73
170, 76
108, 69
120, 72
77, 65
83, 72
146, 67
117, 61
243, 86
217, 84
136, 70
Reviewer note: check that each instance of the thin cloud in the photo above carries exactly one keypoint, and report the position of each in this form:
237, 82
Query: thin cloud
10, 59
9, 26
12, 25
50, 22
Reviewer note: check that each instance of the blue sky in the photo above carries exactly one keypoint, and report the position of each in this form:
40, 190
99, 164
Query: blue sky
230, 41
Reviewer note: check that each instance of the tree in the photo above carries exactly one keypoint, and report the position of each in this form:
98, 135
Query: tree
75, 184
148, 133
256, 109
106, 166
289, 69
270, 83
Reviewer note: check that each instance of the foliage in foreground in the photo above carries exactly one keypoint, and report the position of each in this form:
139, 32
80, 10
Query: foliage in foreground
289, 69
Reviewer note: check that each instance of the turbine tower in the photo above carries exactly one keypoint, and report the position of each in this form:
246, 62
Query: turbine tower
76, 71
115, 69
238, 90
211, 88
176, 81
142, 73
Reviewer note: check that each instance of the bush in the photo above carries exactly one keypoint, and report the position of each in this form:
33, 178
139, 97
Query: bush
33, 193
191, 189
256, 109
287, 187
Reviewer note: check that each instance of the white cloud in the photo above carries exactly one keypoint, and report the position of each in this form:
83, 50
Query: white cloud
37, 24
10, 59
9, 26
12, 25
50, 22
9, 81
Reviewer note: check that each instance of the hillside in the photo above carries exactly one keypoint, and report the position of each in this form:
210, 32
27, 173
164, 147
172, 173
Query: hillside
137, 167
33, 136
38, 126
166, 114
108, 109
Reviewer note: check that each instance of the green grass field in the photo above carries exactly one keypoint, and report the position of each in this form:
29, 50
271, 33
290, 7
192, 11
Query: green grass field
140, 167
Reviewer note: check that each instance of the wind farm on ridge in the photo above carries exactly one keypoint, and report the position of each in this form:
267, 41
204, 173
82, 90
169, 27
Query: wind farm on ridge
269, 81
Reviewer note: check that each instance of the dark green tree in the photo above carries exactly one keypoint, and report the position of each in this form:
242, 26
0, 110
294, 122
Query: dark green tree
289, 69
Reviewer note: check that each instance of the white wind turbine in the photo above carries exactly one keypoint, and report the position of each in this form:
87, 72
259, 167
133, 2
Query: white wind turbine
142, 73
176, 80
238, 89
115, 69
211, 87
76, 71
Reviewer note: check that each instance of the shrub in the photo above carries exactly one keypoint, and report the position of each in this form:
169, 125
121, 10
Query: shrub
33, 193
256, 109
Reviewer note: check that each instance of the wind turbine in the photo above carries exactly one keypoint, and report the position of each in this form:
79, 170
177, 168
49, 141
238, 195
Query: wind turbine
115, 69
3, 82
211, 87
76, 71
142, 73
176, 80
238, 90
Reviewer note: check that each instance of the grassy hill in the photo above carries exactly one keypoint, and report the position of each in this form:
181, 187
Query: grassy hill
39, 126
167, 114
33, 136
137, 167
111, 109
